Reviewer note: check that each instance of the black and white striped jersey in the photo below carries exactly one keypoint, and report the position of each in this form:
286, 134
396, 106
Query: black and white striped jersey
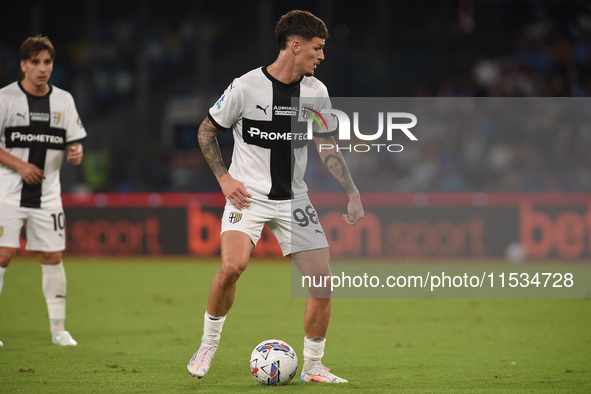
36, 130
269, 157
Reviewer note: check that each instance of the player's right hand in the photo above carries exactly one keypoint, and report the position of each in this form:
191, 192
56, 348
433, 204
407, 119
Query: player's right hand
30, 173
235, 192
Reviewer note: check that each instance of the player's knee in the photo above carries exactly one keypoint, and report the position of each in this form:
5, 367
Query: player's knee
231, 270
50, 258
323, 292
231, 273
319, 283
6, 254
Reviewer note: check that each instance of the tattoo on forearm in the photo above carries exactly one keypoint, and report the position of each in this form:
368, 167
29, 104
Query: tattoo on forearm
211, 150
337, 167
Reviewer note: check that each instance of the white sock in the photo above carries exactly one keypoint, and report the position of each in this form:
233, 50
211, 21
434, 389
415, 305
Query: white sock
212, 329
313, 350
54, 289
2, 271
56, 325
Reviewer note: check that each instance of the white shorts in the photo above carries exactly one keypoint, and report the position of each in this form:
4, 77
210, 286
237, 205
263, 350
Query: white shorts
294, 223
45, 228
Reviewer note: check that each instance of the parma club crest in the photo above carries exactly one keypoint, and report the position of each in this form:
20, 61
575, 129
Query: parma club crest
235, 217
56, 117
306, 110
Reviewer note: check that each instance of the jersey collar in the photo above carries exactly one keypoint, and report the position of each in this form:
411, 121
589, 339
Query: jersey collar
32, 95
278, 82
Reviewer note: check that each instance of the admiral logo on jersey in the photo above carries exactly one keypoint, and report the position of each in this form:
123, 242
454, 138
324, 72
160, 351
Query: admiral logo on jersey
39, 117
285, 110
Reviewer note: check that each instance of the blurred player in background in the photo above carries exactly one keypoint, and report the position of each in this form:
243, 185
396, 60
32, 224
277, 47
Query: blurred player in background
39, 122
265, 185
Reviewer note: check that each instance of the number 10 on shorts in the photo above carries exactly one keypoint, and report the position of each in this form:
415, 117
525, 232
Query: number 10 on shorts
58, 221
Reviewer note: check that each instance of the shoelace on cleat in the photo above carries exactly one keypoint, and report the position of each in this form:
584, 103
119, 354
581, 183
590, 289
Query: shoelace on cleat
205, 353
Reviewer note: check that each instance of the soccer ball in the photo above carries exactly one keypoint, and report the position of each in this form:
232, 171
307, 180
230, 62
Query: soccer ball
273, 362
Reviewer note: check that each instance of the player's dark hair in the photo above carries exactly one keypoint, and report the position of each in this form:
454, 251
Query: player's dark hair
300, 23
34, 45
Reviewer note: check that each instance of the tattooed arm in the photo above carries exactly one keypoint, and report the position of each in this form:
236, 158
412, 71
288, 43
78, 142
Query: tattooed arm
335, 163
234, 190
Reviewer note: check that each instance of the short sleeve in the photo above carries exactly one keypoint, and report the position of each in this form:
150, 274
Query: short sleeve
75, 131
324, 125
3, 112
228, 109
331, 122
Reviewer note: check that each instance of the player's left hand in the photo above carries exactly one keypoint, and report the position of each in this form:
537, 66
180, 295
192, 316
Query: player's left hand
74, 153
354, 209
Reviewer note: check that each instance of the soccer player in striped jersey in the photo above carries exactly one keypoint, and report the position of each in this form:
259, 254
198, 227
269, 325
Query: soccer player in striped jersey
264, 184
38, 125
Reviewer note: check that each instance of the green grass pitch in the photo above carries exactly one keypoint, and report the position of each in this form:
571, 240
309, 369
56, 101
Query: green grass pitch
139, 321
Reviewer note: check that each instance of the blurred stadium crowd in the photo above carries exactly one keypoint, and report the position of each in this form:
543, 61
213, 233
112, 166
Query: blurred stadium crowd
100, 67
109, 68
475, 153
